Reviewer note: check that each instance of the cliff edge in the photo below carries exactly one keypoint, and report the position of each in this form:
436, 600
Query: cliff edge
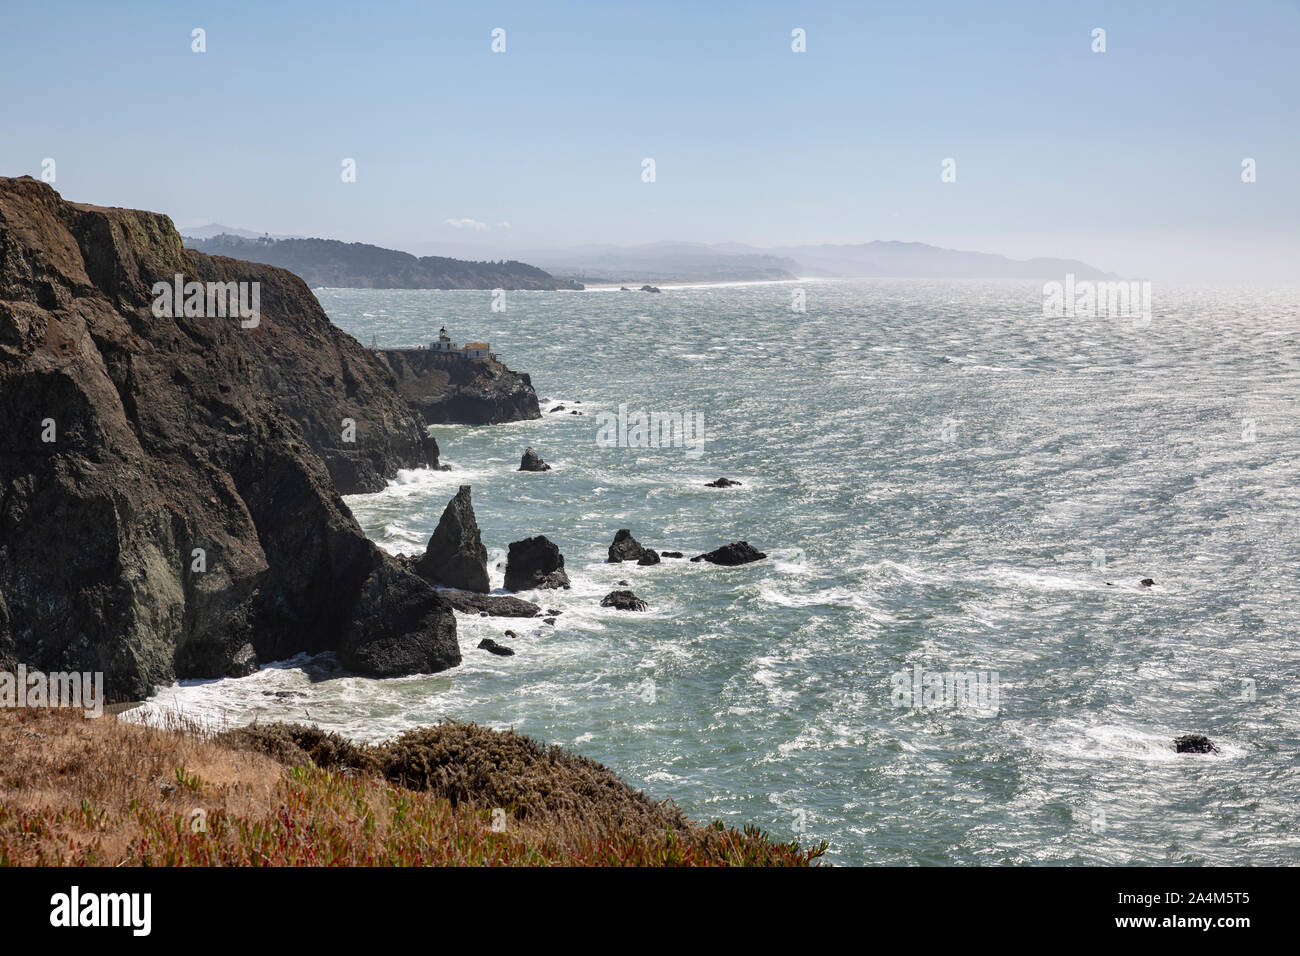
167, 505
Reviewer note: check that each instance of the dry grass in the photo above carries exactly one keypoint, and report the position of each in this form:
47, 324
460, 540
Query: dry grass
106, 792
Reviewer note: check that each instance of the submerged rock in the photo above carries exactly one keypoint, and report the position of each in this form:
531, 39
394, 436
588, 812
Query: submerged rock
487, 644
491, 605
535, 563
649, 288
738, 552
623, 601
722, 483
1195, 744
531, 462
1147, 582
455, 556
671, 554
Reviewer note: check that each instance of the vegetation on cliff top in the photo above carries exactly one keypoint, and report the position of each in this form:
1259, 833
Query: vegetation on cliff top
106, 792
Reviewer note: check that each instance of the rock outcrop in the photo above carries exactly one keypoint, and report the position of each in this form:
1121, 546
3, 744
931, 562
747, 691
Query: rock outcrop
168, 497
452, 389
623, 601
491, 605
531, 461
535, 563
455, 556
624, 547
722, 483
1194, 744
738, 552
491, 646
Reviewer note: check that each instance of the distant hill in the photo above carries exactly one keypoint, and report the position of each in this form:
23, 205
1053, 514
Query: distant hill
736, 262
356, 265
216, 229
664, 262
921, 260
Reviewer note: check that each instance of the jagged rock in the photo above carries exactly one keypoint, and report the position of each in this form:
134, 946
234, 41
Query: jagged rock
185, 521
535, 563
531, 462
491, 605
1194, 744
455, 556
549, 620
511, 634
487, 644
623, 601
648, 556
648, 288
671, 554
624, 547
623, 583
722, 483
738, 552
557, 408
1147, 582
399, 626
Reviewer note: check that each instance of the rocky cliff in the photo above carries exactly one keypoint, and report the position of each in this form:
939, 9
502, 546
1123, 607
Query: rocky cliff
166, 502
454, 389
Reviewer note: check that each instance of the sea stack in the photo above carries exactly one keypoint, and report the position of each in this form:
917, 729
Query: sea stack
531, 462
624, 548
535, 563
455, 556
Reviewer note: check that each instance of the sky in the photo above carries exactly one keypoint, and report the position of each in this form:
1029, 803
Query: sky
1129, 159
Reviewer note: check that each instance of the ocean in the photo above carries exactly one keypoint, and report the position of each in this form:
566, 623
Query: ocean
945, 482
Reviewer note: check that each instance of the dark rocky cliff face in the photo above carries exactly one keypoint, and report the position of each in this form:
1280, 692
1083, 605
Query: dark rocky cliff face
322, 378
166, 501
449, 388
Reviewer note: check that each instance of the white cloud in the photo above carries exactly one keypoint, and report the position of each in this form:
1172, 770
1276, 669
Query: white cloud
503, 225
466, 224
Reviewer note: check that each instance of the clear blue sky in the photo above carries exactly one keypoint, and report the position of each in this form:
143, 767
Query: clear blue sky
1129, 159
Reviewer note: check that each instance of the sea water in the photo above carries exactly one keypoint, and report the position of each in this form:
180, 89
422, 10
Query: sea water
945, 482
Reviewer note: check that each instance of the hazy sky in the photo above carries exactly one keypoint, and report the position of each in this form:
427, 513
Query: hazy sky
1129, 159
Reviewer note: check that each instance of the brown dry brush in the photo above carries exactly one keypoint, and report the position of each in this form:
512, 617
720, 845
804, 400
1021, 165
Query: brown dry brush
105, 792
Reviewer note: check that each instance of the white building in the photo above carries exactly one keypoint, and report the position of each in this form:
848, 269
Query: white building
471, 350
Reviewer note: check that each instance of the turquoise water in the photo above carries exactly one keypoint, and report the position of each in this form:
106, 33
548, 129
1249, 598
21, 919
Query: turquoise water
940, 476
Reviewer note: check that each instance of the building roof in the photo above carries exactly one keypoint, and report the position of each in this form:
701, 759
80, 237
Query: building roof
476, 345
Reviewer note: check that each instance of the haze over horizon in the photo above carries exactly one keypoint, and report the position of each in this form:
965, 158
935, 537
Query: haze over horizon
1129, 160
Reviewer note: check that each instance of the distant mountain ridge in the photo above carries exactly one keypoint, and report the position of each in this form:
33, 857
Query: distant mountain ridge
357, 265
734, 262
